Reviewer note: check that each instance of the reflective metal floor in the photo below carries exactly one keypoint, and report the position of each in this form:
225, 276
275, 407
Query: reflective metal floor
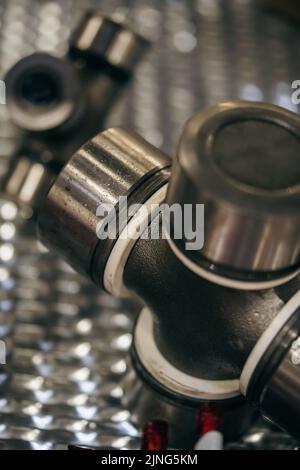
68, 340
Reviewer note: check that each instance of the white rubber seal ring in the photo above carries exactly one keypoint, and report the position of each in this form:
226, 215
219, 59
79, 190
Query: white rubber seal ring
226, 282
170, 377
114, 269
266, 339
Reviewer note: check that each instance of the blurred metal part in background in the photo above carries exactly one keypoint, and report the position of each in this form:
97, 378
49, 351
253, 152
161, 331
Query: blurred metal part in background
61, 102
66, 383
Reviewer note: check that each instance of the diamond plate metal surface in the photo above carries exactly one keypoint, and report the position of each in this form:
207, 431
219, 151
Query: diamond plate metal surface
67, 341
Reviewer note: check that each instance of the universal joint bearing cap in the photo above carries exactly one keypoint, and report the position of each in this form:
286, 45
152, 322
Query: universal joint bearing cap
242, 161
98, 38
116, 163
271, 375
42, 92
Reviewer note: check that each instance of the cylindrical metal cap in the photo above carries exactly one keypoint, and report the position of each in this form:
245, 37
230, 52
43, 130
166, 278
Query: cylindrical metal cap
99, 38
42, 92
242, 161
271, 375
28, 179
115, 163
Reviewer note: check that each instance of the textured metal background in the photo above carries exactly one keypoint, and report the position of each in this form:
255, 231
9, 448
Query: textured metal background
69, 341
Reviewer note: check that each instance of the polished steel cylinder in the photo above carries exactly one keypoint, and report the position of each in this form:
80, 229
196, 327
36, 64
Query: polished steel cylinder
116, 163
28, 179
100, 38
242, 161
271, 376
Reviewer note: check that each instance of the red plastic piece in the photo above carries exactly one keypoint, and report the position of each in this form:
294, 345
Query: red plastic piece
155, 435
209, 418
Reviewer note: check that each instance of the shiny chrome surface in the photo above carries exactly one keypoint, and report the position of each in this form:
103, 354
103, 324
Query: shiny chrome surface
112, 165
197, 61
99, 37
56, 100
28, 180
280, 398
67, 360
276, 389
241, 160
